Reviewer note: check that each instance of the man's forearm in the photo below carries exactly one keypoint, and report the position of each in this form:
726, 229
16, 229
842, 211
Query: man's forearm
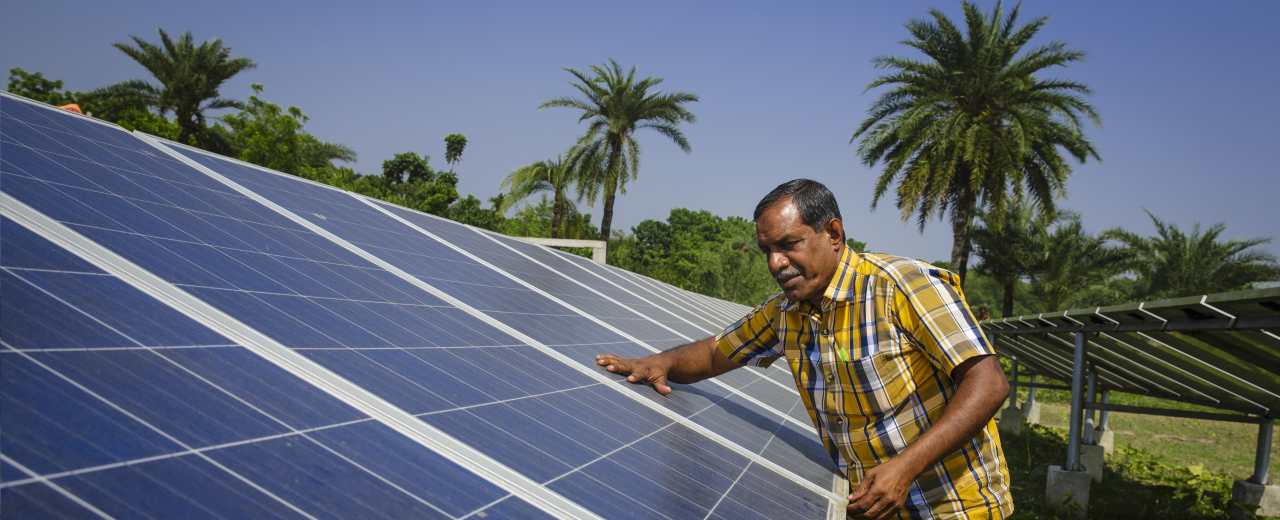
692, 362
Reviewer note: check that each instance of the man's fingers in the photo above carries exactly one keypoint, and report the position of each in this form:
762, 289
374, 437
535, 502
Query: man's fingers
614, 364
660, 384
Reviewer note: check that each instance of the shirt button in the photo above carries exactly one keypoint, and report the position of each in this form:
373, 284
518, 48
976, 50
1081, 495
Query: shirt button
831, 378
839, 420
826, 332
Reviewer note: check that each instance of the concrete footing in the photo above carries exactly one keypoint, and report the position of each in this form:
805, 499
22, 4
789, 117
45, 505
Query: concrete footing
1106, 439
1067, 492
1010, 421
1092, 457
1031, 412
1265, 498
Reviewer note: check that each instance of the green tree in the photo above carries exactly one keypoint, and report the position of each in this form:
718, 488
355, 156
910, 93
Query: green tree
856, 245
1173, 263
408, 167
1008, 248
974, 124
268, 135
616, 106
1071, 260
454, 144
550, 176
189, 75
468, 211
33, 85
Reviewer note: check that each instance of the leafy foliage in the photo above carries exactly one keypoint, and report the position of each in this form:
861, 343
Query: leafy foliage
454, 144
974, 124
550, 176
615, 106
1071, 259
189, 76
700, 252
265, 134
1173, 263
1009, 250
34, 85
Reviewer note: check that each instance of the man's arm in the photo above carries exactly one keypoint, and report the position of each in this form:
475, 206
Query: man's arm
684, 364
982, 389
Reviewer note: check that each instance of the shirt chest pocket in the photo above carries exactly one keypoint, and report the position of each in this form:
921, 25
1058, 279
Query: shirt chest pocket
877, 382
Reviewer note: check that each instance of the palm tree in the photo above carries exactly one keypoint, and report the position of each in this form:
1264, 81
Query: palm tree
607, 156
974, 124
1070, 260
1008, 248
543, 176
189, 77
1173, 264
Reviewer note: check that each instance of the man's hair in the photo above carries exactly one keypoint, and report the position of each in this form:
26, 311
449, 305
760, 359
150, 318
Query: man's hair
816, 204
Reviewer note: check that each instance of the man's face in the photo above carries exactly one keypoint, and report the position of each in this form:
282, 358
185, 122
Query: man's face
801, 260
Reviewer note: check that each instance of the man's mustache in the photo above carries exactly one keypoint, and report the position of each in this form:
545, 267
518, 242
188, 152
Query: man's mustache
783, 275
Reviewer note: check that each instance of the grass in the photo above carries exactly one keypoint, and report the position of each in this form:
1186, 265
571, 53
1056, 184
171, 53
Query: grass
1163, 467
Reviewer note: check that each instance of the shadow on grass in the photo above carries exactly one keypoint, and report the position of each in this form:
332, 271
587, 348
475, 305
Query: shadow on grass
1135, 485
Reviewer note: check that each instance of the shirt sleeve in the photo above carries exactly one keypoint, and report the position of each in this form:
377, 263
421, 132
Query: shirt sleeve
930, 307
753, 340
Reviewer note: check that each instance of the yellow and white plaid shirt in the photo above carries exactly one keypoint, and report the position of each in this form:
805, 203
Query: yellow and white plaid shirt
873, 366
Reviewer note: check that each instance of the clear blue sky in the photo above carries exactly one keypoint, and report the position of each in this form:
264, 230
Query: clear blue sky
1187, 92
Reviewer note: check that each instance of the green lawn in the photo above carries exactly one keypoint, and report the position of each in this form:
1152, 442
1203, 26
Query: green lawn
1164, 467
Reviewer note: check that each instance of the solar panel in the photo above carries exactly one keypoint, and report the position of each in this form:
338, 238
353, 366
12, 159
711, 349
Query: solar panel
328, 355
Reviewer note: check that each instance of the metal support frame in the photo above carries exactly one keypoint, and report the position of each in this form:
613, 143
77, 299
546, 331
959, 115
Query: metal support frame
1106, 399
1262, 460
1033, 386
1031, 392
1077, 407
1013, 391
1090, 396
1167, 412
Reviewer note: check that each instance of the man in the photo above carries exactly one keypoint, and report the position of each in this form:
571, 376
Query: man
899, 380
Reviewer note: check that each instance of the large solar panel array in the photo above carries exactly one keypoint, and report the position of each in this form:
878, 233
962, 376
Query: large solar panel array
188, 335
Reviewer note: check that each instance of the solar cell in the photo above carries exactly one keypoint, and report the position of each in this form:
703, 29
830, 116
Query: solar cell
354, 324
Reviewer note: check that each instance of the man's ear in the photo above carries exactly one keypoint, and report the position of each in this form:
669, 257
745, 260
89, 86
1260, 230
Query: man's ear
835, 231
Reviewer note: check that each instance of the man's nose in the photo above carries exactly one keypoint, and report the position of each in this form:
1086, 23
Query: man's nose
778, 262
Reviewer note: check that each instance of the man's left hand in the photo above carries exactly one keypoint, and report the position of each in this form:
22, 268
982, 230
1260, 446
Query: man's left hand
882, 491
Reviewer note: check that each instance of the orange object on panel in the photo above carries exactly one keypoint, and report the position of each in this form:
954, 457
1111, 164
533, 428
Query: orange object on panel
72, 107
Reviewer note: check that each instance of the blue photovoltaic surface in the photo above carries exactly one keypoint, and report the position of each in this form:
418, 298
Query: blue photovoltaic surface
525, 409
793, 446
603, 279
107, 393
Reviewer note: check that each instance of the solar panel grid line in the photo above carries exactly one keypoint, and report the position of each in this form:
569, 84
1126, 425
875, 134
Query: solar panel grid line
483, 316
1106, 374
580, 284
773, 373
167, 435
443, 444
1227, 374
62, 491
711, 330
637, 341
646, 284
502, 326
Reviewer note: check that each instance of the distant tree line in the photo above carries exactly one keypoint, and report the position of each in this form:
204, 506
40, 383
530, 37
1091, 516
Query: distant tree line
972, 134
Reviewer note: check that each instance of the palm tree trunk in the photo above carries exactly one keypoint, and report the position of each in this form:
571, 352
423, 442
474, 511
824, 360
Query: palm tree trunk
607, 220
1006, 310
960, 236
557, 213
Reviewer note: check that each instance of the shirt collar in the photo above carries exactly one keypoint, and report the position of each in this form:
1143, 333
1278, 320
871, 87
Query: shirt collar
841, 286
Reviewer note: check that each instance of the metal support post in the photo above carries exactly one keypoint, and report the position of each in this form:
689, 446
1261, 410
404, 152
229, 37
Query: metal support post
1013, 390
1106, 399
1088, 399
1262, 461
1031, 393
1077, 406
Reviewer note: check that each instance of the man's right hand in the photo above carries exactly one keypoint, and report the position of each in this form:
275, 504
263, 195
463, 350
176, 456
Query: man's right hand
650, 370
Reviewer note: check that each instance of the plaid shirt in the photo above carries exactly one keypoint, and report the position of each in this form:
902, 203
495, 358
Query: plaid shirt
873, 366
